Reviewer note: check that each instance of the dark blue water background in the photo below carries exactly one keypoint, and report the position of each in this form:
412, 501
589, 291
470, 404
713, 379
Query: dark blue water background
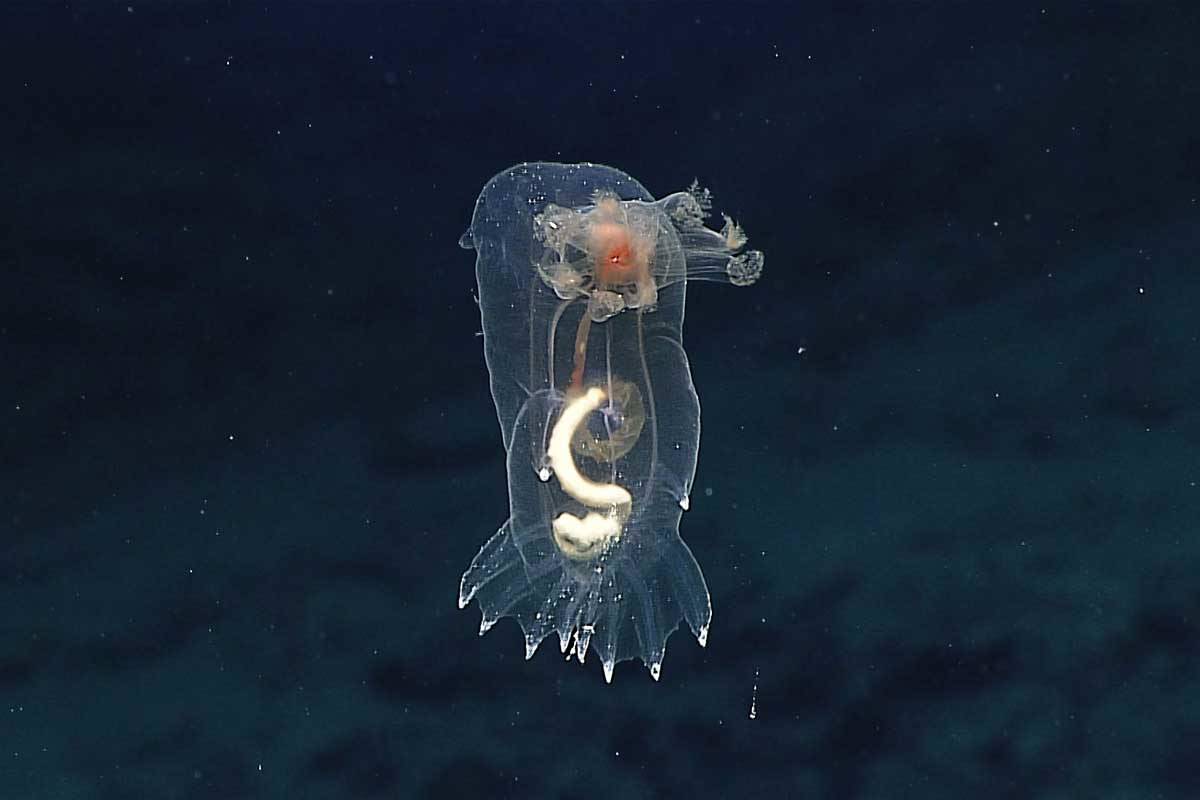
947, 496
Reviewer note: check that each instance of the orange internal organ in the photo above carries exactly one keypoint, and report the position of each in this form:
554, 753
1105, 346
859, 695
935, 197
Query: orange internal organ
617, 256
620, 256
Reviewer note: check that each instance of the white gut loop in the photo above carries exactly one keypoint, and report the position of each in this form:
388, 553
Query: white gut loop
581, 538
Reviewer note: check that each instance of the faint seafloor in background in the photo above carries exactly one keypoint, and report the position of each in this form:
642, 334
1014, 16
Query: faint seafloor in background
946, 500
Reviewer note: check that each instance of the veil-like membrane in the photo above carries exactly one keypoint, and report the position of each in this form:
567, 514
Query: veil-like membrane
582, 281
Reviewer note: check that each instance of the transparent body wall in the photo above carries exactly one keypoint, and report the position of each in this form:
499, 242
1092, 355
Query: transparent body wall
582, 280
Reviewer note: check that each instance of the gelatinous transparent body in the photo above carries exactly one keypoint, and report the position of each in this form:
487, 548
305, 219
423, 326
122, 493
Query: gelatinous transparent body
582, 280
